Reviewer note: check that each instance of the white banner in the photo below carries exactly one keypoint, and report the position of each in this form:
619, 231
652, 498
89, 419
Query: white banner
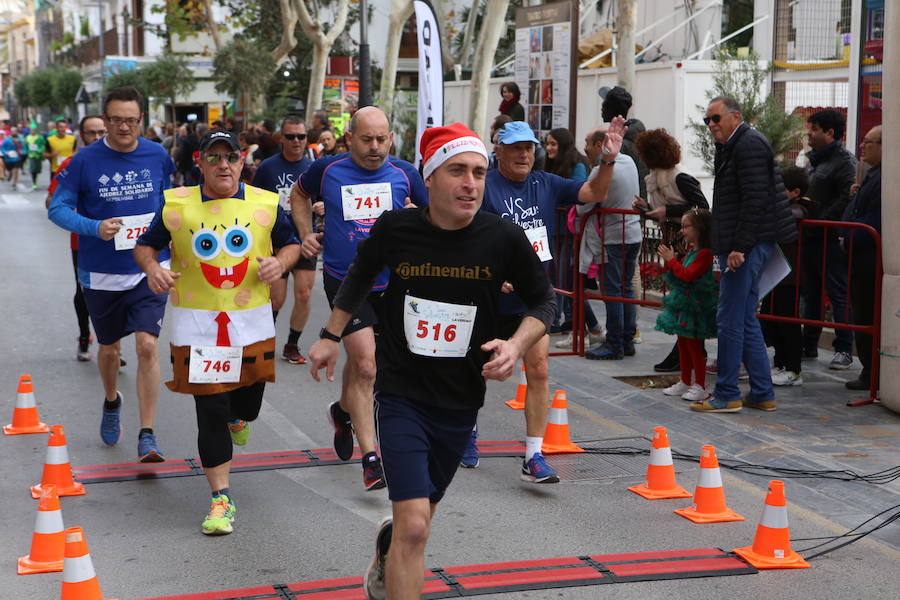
431, 71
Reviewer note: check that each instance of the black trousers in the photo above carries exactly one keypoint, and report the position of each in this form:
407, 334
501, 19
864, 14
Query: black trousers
786, 338
862, 300
214, 411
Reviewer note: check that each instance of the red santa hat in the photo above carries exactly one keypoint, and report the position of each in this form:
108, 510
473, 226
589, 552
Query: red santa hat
440, 143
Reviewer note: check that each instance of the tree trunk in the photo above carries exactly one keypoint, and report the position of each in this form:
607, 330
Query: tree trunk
446, 57
625, 54
288, 40
493, 25
317, 76
322, 44
211, 25
466, 50
400, 13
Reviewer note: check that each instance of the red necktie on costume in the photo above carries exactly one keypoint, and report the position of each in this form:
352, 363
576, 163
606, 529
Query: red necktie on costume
222, 338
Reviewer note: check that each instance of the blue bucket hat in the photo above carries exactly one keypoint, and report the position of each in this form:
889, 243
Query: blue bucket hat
516, 131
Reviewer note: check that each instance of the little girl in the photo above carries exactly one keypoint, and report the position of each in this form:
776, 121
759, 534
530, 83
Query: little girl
689, 309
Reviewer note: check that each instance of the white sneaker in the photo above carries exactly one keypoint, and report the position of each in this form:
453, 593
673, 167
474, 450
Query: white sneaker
776, 371
695, 394
678, 389
565, 342
787, 378
595, 339
637, 339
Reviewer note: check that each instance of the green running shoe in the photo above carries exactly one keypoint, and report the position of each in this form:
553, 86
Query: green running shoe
220, 517
240, 431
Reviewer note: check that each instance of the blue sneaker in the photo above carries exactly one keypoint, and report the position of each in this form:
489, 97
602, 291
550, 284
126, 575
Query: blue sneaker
537, 470
148, 449
469, 458
110, 426
604, 352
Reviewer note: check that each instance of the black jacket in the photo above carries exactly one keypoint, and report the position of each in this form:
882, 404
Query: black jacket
865, 208
749, 202
635, 128
832, 170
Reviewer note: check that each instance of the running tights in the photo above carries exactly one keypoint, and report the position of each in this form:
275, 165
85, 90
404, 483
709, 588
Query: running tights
81, 309
214, 411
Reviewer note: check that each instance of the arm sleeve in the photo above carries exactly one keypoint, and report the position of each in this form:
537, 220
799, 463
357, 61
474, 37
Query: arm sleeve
62, 212
700, 265
365, 267
692, 193
310, 182
566, 189
844, 177
284, 233
530, 280
156, 236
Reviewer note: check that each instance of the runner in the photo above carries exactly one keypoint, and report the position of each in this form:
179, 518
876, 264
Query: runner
223, 336
14, 152
355, 189
90, 129
36, 144
530, 198
278, 174
108, 195
438, 340
60, 146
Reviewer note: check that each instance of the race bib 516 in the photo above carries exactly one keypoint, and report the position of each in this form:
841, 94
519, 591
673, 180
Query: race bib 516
437, 329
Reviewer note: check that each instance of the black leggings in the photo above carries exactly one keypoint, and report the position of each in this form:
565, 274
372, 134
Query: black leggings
81, 309
214, 411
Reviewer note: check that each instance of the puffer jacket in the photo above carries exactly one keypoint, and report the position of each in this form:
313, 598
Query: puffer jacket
832, 170
749, 201
635, 128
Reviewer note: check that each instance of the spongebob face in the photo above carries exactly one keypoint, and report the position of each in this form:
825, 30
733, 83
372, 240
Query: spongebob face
215, 245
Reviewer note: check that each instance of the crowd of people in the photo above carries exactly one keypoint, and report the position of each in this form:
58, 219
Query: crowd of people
450, 264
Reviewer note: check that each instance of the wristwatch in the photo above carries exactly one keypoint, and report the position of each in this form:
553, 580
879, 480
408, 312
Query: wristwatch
608, 163
327, 335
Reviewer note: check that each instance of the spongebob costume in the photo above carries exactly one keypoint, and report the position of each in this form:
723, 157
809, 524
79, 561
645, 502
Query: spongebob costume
219, 299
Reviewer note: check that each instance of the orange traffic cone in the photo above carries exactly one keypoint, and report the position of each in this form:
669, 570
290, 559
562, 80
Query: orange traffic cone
48, 543
709, 495
556, 436
518, 403
771, 547
660, 482
57, 469
25, 414
79, 579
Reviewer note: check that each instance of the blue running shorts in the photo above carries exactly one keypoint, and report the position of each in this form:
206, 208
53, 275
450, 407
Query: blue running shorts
120, 313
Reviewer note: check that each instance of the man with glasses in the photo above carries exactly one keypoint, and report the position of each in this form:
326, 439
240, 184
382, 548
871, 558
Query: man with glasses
751, 214
108, 195
355, 188
223, 338
278, 174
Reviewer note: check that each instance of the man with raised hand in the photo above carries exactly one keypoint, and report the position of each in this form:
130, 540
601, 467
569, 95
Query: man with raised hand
530, 199
108, 195
352, 190
439, 339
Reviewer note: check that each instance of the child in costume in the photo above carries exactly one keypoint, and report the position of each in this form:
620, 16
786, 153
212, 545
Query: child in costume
689, 309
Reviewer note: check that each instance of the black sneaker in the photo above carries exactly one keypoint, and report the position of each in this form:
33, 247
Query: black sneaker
628, 346
669, 364
373, 474
343, 430
604, 352
861, 384
810, 353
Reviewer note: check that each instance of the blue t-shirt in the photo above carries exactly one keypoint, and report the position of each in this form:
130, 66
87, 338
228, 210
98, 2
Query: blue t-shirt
531, 204
116, 184
349, 190
278, 175
13, 148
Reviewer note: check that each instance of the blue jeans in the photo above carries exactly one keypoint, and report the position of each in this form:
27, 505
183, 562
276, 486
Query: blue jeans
621, 317
740, 335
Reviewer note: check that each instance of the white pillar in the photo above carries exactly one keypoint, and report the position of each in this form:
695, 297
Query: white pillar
890, 211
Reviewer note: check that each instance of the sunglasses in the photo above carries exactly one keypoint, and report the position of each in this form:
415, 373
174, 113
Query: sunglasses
715, 119
232, 157
294, 136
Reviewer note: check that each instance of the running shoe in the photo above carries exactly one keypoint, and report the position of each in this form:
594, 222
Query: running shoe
840, 361
110, 425
84, 349
604, 352
240, 431
343, 430
786, 378
148, 449
537, 470
766, 405
374, 581
695, 394
713, 404
292, 355
469, 458
220, 518
373, 474
677, 389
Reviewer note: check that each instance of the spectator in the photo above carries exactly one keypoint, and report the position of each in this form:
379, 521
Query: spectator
184, 157
865, 208
267, 144
168, 138
618, 254
496, 126
670, 194
831, 173
787, 338
247, 140
617, 102
318, 124
690, 306
510, 106
340, 145
327, 143
750, 215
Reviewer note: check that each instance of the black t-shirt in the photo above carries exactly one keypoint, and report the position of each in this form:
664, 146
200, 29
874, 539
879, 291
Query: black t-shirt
463, 267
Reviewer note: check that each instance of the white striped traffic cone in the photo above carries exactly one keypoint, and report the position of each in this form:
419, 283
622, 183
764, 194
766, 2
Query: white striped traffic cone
709, 496
771, 547
48, 543
660, 482
57, 469
25, 414
79, 579
556, 436
518, 403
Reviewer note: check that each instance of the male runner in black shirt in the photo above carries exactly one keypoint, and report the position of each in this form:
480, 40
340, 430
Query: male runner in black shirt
438, 339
